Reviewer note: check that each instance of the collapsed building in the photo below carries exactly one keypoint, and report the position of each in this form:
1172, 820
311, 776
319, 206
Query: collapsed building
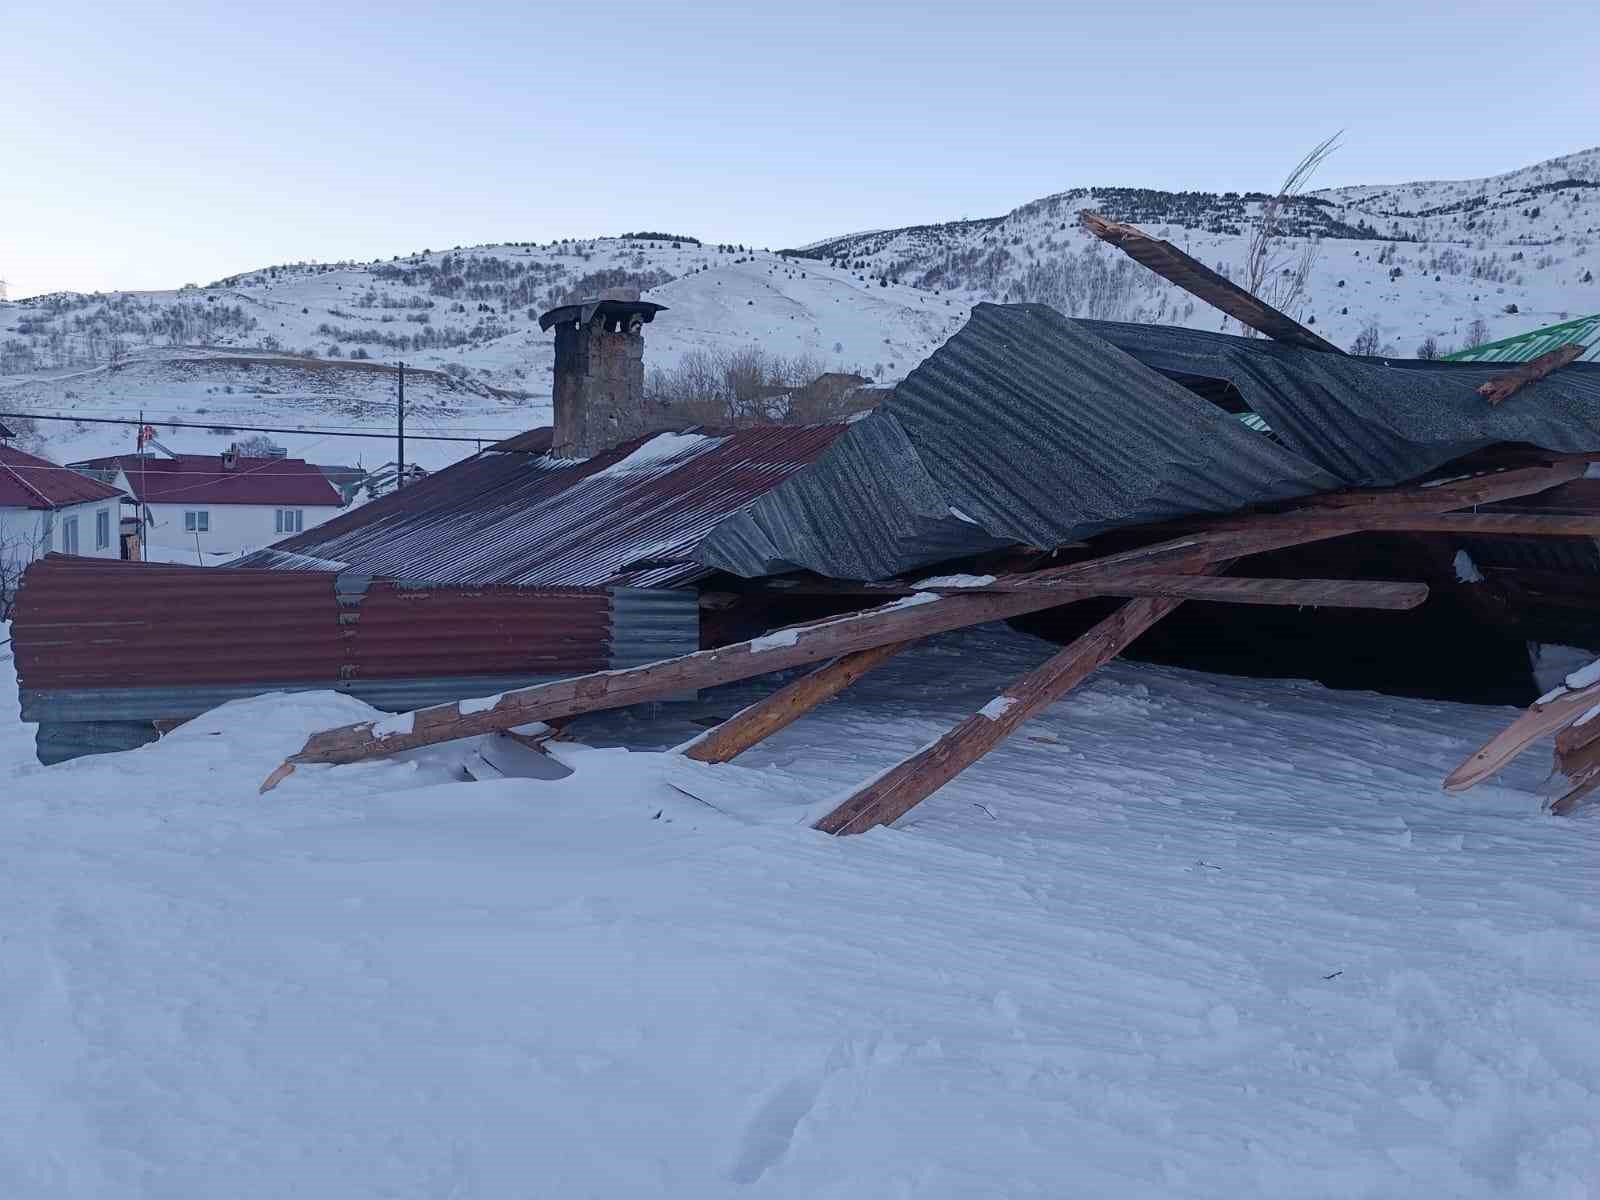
1093, 478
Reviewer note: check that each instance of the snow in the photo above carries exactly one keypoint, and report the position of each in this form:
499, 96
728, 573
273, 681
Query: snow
1589, 715
664, 447
955, 581
1185, 937
394, 724
998, 707
1585, 676
478, 704
774, 641
1467, 570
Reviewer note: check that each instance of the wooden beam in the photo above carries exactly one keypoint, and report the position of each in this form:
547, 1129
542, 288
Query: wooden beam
909, 619
1291, 593
891, 795
787, 705
1199, 280
1503, 387
1541, 720
1469, 524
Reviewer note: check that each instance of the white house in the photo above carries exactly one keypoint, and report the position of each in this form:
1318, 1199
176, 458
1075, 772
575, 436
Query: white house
45, 507
209, 507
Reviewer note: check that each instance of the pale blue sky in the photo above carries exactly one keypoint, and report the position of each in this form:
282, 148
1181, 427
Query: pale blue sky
155, 144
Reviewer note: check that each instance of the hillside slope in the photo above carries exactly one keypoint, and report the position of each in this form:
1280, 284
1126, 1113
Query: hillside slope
1455, 261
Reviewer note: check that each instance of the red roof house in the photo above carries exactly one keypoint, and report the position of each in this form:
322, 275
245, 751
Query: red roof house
28, 481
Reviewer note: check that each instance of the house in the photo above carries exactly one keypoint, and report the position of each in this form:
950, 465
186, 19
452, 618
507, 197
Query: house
218, 504
45, 507
620, 537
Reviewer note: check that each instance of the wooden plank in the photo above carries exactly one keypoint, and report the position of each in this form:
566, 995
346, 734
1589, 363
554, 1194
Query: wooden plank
1575, 736
891, 795
1292, 593
1503, 387
900, 621
1199, 280
1473, 524
786, 705
1563, 807
1541, 720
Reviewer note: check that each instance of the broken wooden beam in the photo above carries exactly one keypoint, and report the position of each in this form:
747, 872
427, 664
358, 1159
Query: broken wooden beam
1503, 387
1199, 280
1543, 718
1468, 524
907, 619
891, 795
786, 705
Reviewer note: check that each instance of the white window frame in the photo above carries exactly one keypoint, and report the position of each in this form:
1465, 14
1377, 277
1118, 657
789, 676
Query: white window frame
290, 520
47, 531
197, 520
69, 534
102, 529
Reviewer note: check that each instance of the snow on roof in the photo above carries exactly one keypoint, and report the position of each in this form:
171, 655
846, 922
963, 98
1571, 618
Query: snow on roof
203, 479
633, 515
28, 481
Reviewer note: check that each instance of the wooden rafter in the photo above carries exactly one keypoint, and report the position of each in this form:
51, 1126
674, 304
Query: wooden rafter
891, 795
1199, 280
787, 705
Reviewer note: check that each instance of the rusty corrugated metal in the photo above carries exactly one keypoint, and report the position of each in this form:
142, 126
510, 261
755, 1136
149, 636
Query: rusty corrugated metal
633, 516
105, 648
89, 623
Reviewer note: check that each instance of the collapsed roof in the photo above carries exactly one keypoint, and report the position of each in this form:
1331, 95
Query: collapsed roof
1030, 427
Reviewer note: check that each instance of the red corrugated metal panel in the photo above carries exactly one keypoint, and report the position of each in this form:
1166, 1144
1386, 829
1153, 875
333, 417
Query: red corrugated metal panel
202, 479
88, 623
633, 515
27, 481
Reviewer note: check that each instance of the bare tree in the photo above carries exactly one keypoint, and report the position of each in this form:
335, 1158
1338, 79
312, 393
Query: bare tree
18, 548
1278, 274
1477, 333
1368, 342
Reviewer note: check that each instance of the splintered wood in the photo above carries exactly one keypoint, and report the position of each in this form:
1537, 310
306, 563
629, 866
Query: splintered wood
1573, 715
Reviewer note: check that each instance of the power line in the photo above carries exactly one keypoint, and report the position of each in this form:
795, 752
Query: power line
332, 432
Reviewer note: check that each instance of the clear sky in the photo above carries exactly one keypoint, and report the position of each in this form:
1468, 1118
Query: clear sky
149, 145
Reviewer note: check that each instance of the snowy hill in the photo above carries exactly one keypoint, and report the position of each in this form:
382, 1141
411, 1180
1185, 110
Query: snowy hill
311, 345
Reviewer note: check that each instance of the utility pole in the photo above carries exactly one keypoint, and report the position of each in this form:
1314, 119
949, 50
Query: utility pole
400, 435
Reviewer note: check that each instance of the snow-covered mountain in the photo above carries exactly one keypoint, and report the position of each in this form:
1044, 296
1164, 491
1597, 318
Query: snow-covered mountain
312, 344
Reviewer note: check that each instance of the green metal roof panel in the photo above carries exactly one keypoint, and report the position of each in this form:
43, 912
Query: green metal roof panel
1525, 347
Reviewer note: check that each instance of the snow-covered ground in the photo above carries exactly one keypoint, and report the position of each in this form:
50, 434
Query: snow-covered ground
1185, 936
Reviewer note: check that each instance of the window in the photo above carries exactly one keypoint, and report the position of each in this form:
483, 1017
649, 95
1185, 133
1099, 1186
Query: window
69, 535
197, 521
47, 532
291, 520
102, 529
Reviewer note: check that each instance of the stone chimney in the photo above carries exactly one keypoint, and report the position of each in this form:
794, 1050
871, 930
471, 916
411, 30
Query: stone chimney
599, 378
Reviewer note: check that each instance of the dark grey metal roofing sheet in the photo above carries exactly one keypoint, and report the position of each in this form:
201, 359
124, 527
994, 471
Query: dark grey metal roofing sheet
1373, 421
1043, 430
1024, 427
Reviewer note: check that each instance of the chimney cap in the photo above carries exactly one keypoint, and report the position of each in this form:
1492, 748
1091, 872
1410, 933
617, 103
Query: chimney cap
588, 310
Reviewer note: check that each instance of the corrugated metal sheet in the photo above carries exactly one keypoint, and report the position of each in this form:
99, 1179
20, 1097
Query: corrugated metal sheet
1370, 421
632, 516
103, 642
1525, 347
1024, 427
203, 479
